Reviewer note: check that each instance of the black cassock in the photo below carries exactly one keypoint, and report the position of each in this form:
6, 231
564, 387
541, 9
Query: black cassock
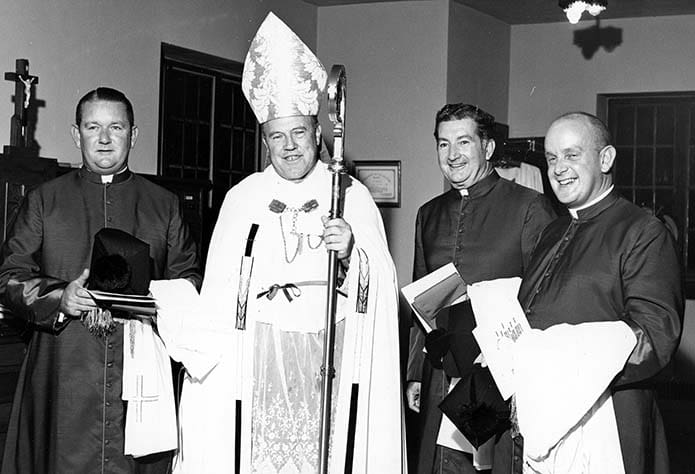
67, 415
615, 262
488, 234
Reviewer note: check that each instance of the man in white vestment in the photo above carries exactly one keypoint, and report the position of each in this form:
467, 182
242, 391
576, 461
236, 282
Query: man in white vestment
252, 395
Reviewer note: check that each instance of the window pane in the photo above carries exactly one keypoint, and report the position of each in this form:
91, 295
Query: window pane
224, 102
249, 151
624, 166
206, 100
188, 173
172, 142
624, 125
645, 126
204, 148
250, 118
189, 144
239, 103
665, 201
644, 198
643, 166
223, 148
175, 85
665, 126
238, 150
236, 178
664, 166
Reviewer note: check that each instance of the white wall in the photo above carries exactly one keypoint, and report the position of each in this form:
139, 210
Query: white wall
478, 53
395, 58
549, 75
77, 45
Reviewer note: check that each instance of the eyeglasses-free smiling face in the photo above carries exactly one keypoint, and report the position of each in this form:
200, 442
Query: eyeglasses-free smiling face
105, 136
578, 170
293, 145
463, 155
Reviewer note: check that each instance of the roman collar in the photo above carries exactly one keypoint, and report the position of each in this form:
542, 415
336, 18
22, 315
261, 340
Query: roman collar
596, 209
92, 177
479, 189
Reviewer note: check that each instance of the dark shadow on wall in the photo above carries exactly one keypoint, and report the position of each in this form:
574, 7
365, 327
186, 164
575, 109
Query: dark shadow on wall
591, 39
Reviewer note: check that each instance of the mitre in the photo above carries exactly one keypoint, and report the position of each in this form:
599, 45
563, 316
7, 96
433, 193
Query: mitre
282, 77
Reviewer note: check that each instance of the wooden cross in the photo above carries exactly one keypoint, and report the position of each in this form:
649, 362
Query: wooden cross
22, 95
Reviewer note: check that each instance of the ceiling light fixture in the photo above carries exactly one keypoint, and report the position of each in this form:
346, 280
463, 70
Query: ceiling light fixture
574, 8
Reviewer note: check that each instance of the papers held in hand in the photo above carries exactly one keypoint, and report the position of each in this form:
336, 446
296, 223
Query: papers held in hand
500, 323
435, 291
136, 305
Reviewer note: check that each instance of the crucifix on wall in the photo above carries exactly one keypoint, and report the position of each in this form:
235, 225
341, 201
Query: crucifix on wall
24, 84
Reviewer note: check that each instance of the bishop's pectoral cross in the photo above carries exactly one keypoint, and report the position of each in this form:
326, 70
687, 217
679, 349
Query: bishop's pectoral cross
22, 95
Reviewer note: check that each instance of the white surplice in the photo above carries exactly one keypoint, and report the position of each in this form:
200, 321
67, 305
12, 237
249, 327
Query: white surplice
273, 366
563, 404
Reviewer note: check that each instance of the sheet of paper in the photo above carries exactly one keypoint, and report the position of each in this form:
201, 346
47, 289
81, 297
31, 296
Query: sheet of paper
436, 290
500, 323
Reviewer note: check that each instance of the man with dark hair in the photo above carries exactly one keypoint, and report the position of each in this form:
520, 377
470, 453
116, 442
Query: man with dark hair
487, 226
69, 412
109, 95
451, 112
607, 261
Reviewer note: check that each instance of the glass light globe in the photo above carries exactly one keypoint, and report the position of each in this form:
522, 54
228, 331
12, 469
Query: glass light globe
594, 9
574, 12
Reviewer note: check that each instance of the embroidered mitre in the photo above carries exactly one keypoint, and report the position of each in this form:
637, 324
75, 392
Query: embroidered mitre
281, 77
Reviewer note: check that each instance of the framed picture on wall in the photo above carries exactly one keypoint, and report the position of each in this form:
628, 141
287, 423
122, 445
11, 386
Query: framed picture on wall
382, 178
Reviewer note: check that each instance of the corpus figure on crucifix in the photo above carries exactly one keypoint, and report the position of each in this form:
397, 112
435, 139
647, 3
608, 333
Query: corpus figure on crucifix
22, 95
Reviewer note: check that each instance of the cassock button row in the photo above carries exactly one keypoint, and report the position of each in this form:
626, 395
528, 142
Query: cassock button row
110, 364
110, 346
106, 441
106, 459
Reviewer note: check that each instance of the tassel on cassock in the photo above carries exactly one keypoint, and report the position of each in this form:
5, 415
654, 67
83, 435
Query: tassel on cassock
99, 322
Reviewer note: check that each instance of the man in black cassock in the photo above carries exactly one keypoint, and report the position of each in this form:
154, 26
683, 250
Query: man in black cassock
608, 260
487, 226
68, 415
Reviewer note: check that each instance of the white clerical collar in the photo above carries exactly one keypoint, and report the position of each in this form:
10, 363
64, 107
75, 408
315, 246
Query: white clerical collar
573, 212
108, 178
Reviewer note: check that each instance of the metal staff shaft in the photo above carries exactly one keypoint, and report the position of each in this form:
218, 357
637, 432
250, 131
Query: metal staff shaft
336, 112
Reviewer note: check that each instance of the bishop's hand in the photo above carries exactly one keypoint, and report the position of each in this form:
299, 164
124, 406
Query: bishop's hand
337, 235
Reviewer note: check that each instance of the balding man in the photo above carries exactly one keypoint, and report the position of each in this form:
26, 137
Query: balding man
608, 261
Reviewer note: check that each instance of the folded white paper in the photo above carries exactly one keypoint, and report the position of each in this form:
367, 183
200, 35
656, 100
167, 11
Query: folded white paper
500, 323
